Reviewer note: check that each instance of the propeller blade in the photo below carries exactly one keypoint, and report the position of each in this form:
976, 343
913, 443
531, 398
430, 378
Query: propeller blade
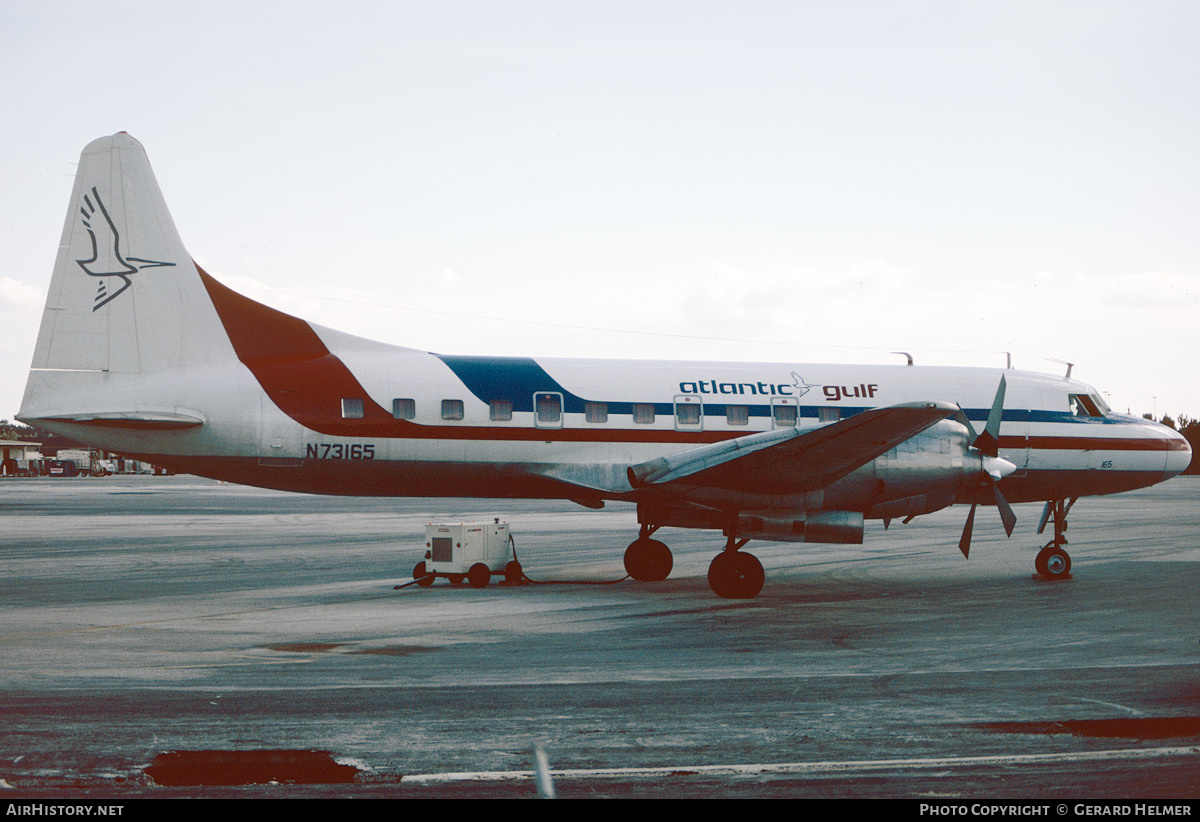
993, 423
1006, 512
964, 542
989, 441
993, 467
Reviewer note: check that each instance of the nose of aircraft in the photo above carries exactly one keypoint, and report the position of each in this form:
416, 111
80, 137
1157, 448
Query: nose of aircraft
1179, 452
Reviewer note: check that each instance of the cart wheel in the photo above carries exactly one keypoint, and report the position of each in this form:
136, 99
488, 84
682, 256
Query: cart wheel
423, 577
479, 575
513, 573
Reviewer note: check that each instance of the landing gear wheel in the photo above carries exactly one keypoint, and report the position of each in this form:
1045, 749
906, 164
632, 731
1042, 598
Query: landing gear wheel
423, 577
648, 560
735, 575
1053, 563
478, 575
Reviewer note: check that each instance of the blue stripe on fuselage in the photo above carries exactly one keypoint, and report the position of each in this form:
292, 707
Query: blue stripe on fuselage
515, 379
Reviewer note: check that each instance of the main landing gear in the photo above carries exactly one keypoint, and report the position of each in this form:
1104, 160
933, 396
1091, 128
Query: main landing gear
1052, 561
648, 560
733, 573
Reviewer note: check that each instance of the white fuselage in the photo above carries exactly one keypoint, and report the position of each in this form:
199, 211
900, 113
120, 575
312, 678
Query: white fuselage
377, 419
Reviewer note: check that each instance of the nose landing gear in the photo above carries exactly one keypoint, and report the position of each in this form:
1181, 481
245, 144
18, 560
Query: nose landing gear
1052, 561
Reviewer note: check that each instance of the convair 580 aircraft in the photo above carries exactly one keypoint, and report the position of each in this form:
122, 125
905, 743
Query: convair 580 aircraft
144, 354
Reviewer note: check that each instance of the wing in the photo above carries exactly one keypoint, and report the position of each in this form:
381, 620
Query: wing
792, 461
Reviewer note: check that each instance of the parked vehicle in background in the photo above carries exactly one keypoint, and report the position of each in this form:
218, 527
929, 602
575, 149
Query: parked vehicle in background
86, 463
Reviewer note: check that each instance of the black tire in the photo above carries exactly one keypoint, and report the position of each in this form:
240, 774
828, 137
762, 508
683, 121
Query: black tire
736, 575
478, 575
648, 560
423, 577
1053, 563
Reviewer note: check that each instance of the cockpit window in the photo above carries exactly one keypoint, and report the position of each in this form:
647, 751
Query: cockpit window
1085, 405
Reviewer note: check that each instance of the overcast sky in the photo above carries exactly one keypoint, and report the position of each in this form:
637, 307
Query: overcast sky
771, 181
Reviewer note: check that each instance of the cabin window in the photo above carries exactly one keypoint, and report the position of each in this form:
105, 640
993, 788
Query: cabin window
643, 413
596, 411
352, 408
501, 410
404, 409
452, 409
828, 414
737, 414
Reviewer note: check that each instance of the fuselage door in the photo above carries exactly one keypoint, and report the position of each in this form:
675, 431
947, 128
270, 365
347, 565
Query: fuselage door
785, 412
689, 413
548, 409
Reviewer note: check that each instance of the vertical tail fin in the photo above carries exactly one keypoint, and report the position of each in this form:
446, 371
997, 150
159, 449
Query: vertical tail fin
125, 298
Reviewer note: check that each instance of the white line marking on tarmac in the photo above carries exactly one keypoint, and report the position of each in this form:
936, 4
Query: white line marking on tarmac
812, 767
1125, 708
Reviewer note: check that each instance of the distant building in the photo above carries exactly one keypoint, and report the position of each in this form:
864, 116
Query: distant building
15, 456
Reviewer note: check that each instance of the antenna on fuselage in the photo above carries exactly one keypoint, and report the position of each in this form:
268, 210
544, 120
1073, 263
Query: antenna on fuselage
906, 355
1069, 366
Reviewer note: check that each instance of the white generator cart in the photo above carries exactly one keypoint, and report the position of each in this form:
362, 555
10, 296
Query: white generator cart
470, 552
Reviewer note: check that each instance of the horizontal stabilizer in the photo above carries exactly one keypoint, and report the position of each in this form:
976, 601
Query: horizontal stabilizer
136, 420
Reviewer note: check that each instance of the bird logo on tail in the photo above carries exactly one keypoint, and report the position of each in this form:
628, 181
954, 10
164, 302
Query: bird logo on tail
106, 241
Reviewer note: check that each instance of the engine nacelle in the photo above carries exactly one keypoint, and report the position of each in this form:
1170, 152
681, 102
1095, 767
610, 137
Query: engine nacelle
845, 527
774, 524
921, 475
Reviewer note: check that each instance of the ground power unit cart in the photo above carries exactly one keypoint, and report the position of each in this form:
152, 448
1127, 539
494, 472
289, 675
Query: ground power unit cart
469, 552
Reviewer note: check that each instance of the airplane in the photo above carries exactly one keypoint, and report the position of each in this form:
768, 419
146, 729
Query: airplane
143, 353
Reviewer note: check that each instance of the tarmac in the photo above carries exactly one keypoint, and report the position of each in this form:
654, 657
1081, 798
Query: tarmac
172, 636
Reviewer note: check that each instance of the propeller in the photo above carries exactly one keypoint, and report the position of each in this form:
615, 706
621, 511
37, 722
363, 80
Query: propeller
993, 467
